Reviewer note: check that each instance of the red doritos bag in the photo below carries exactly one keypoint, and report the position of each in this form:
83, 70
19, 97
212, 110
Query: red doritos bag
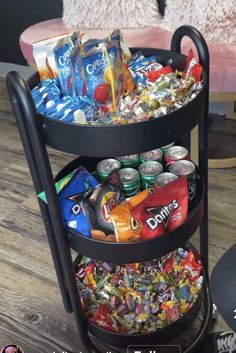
164, 210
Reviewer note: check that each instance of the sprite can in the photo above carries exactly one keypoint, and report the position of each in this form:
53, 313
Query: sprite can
163, 179
106, 166
130, 184
131, 161
148, 172
154, 155
188, 169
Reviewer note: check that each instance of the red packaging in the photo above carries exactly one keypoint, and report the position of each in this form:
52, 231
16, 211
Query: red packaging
164, 210
192, 68
103, 318
192, 266
154, 75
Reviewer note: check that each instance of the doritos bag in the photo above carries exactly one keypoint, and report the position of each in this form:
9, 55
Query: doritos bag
164, 210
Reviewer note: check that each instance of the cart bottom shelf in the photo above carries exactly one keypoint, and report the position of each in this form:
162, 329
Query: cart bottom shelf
188, 333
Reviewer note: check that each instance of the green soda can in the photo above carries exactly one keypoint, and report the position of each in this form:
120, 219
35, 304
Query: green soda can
148, 172
106, 166
130, 184
154, 155
131, 161
188, 169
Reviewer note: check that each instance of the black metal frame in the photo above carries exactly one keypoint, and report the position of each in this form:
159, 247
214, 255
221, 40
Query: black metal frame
34, 143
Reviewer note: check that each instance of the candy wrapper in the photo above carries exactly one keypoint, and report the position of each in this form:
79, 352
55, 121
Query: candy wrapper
103, 200
164, 210
126, 227
139, 297
192, 67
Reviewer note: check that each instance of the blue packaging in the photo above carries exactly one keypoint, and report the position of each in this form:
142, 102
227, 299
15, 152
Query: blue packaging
76, 73
62, 59
71, 199
139, 68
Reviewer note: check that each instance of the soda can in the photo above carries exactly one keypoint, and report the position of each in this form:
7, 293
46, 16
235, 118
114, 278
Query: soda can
106, 166
164, 148
130, 184
175, 153
154, 155
188, 169
131, 161
148, 172
163, 179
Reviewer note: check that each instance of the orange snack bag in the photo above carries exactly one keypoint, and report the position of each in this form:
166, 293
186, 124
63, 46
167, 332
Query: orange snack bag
127, 228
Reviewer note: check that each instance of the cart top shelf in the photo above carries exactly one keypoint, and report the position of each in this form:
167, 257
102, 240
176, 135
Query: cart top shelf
110, 140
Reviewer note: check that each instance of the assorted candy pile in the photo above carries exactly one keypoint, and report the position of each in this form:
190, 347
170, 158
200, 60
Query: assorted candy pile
100, 82
123, 204
139, 297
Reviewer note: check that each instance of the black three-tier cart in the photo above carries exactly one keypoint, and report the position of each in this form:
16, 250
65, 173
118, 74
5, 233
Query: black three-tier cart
94, 143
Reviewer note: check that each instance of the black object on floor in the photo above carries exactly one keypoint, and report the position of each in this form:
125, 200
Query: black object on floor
223, 285
219, 342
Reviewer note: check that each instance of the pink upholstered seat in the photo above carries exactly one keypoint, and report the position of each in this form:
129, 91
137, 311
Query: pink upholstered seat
222, 57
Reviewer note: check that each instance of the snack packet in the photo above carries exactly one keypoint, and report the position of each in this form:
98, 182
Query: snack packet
164, 210
140, 68
102, 200
72, 191
126, 227
192, 67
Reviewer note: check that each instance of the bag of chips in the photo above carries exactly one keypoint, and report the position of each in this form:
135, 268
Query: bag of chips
126, 227
164, 210
102, 201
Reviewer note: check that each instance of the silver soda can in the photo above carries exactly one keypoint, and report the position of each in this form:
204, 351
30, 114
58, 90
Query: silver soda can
148, 172
106, 166
163, 179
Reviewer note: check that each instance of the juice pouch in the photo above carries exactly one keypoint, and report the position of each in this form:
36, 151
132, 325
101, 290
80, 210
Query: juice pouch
77, 79
102, 76
44, 57
62, 56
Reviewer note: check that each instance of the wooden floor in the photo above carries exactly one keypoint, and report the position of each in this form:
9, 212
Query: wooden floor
31, 310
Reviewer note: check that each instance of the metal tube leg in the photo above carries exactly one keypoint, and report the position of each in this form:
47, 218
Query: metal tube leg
38, 187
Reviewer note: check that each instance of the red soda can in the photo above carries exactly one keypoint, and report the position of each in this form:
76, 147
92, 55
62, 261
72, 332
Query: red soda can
175, 153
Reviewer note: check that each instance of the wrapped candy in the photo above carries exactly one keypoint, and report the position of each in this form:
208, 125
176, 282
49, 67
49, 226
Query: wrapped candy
140, 297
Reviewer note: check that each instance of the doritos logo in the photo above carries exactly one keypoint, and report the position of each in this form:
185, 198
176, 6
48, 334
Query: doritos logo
161, 214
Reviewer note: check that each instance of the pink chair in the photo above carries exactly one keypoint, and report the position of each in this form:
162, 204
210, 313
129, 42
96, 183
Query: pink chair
222, 61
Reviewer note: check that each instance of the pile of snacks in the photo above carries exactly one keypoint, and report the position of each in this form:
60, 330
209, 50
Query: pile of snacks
139, 297
100, 82
130, 204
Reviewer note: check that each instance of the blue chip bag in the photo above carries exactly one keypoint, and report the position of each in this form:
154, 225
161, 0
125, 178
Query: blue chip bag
71, 199
72, 190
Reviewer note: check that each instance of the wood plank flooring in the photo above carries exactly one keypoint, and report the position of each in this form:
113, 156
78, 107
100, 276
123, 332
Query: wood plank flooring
31, 310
